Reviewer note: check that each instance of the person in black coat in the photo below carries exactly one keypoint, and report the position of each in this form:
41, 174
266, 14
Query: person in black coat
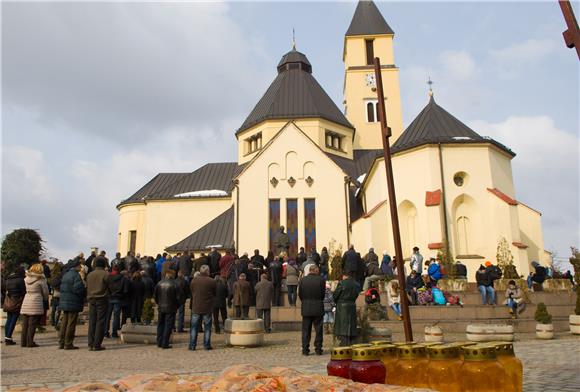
13, 291
414, 283
118, 290
460, 270
301, 256
311, 290
137, 297
315, 257
219, 306
167, 296
214, 262
350, 262
276, 279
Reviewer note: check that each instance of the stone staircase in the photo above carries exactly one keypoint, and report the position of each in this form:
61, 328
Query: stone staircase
454, 319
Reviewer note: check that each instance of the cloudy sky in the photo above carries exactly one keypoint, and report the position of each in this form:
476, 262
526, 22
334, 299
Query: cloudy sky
99, 97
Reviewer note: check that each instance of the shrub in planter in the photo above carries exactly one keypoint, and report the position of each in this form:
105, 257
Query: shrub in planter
575, 318
544, 328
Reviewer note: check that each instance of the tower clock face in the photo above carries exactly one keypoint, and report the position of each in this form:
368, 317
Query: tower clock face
370, 79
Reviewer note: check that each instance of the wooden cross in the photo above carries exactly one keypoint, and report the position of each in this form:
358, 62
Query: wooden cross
572, 35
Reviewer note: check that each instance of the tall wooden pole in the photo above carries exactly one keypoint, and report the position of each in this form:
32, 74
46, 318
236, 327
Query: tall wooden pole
572, 35
392, 200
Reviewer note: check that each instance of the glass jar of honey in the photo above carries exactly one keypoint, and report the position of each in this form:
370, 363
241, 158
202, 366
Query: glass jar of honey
388, 356
411, 367
444, 367
460, 346
511, 364
481, 372
366, 366
339, 365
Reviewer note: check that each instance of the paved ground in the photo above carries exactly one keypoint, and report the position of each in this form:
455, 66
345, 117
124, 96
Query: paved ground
548, 365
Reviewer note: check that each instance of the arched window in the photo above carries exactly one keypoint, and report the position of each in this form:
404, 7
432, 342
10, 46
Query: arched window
463, 232
371, 112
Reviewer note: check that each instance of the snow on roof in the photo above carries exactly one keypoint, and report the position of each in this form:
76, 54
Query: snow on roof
361, 178
461, 138
205, 193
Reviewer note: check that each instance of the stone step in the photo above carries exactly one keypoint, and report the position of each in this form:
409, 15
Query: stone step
449, 326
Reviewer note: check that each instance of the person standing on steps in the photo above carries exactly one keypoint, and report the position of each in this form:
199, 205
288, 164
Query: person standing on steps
167, 297
242, 297
203, 294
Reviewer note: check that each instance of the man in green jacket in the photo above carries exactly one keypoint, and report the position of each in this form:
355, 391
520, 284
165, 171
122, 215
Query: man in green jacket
345, 297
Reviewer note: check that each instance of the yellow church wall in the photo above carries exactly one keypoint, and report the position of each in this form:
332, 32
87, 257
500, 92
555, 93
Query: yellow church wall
131, 217
357, 93
314, 128
355, 49
291, 154
160, 224
476, 217
531, 234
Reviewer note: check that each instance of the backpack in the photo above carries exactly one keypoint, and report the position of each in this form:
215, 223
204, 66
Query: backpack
438, 296
372, 296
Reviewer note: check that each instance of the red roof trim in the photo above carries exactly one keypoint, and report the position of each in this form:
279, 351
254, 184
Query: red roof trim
519, 245
374, 209
503, 196
433, 198
435, 245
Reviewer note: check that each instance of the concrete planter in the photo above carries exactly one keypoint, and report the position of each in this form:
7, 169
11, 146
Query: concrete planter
575, 324
490, 332
245, 333
544, 331
140, 334
452, 284
433, 333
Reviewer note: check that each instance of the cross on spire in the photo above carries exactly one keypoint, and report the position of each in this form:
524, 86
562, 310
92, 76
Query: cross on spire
430, 83
293, 39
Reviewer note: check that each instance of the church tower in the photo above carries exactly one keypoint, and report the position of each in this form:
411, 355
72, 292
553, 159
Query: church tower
367, 37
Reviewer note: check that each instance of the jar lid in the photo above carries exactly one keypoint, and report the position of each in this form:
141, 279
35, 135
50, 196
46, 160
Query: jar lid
360, 345
404, 343
341, 353
365, 354
380, 342
387, 350
443, 352
504, 348
411, 351
479, 353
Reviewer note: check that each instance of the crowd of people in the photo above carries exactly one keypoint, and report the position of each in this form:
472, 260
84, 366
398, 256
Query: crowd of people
128, 288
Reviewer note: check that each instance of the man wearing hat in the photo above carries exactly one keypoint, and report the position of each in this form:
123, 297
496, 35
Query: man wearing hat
72, 297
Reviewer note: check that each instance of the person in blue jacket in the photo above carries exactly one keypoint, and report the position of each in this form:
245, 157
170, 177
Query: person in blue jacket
434, 272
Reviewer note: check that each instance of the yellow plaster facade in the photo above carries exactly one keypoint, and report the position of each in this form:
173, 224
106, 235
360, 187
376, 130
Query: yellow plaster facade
159, 224
359, 90
291, 153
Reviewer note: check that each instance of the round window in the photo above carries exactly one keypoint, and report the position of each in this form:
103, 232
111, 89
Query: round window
460, 178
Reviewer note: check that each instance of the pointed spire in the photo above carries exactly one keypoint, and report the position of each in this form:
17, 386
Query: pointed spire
430, 83
367, 20
293, 39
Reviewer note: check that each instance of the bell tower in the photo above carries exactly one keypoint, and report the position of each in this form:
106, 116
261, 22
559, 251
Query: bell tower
367, 37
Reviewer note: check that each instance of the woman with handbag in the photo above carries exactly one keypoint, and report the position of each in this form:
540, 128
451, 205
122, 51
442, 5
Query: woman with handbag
14, 290
33, 306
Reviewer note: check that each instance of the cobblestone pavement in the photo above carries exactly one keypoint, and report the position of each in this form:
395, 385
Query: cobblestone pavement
548, 365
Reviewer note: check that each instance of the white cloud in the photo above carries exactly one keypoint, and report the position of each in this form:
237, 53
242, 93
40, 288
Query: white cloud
531, 50
458, 64
545, 171
24, 174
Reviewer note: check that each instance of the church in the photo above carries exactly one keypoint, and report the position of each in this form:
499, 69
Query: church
305, 164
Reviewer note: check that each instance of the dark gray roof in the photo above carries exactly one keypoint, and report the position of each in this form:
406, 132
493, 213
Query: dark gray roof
367, 20
362, 162
165, 186
435, 125
220, 231
294, 94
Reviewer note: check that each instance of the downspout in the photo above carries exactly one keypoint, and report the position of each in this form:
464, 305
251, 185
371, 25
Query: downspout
347, 209
446, 231
236, 185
